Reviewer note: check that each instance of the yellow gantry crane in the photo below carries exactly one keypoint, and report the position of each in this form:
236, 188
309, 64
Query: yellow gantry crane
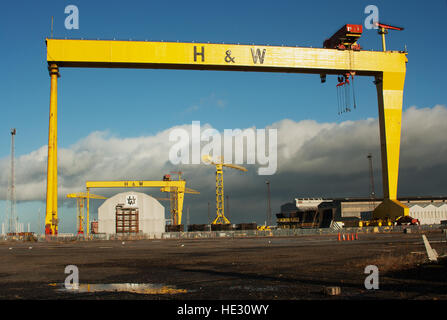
387, 67
80, 205
220, 209
177, 187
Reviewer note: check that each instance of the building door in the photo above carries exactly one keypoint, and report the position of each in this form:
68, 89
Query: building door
327, 218
126, 220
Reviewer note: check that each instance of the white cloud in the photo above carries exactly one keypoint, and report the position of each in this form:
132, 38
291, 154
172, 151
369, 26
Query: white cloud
308, 153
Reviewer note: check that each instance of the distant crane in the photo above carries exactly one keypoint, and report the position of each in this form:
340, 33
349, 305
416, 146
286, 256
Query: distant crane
220, 214
80, 205
167, 185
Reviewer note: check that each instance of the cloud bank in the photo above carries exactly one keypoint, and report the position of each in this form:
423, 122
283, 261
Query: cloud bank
314, 159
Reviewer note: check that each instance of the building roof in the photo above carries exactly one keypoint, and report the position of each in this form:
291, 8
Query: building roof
361, 199
427, 204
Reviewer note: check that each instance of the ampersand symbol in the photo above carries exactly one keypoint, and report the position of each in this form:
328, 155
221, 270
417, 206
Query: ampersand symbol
228, 58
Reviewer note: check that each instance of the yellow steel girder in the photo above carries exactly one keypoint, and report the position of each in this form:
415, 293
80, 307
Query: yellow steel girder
135, 184
51, 218
207, 56
388, 67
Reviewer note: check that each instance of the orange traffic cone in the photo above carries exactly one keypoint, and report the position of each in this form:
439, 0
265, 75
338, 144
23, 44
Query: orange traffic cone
356, 236
343, 237
339, 237
352, 237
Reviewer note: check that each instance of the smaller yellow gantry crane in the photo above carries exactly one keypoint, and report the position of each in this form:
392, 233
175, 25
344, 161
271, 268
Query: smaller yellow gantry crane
175, 187
80, 205
220, 214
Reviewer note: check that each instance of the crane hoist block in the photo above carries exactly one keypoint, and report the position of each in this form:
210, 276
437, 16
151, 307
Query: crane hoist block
345, 38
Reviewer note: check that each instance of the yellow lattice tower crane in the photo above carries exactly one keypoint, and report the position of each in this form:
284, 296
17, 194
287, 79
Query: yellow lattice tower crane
220, 214
80, 205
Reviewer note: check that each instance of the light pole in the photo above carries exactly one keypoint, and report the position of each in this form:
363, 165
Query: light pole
228, 207
209, 214
269, 208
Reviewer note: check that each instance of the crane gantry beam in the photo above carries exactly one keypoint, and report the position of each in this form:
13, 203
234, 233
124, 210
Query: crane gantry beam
212, 56
388, 68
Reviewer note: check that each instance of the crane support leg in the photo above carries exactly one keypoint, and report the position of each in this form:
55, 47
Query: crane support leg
51, 205
390, 87
180, 196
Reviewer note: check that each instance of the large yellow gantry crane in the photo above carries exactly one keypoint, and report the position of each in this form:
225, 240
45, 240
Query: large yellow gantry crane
178, 187
220, 208
387, 67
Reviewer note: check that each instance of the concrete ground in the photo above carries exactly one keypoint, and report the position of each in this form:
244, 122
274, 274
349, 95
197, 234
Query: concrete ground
242, 268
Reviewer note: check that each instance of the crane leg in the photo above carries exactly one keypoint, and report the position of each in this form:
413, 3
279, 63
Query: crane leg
390, 96
81, 216
173, 207
51, 218
179, 199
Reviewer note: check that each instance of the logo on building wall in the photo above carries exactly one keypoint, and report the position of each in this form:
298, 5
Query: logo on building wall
131, 200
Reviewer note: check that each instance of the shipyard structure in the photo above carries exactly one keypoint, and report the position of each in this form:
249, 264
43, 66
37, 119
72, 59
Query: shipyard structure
324, 213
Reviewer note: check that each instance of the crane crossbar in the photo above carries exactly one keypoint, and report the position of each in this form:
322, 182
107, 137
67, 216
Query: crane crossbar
210, 56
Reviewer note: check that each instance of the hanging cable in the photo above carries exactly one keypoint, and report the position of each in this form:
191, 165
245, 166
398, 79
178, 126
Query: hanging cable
346, 98
347, 93
353, 90
340, 94
338, 99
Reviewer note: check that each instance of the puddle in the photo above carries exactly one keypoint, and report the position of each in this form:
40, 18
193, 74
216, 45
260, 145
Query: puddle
142, 288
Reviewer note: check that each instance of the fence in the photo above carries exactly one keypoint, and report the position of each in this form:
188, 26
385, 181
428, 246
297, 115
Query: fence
235, 233
291, 232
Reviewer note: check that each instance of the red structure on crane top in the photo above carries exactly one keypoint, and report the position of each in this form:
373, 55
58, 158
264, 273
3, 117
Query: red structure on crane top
345, 38
387, 26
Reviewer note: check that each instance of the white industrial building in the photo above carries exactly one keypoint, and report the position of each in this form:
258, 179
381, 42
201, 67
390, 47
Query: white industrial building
131, 213
428, 213
428, 210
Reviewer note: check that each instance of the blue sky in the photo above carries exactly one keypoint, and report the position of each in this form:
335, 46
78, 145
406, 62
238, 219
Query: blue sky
92, 99
133, 103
